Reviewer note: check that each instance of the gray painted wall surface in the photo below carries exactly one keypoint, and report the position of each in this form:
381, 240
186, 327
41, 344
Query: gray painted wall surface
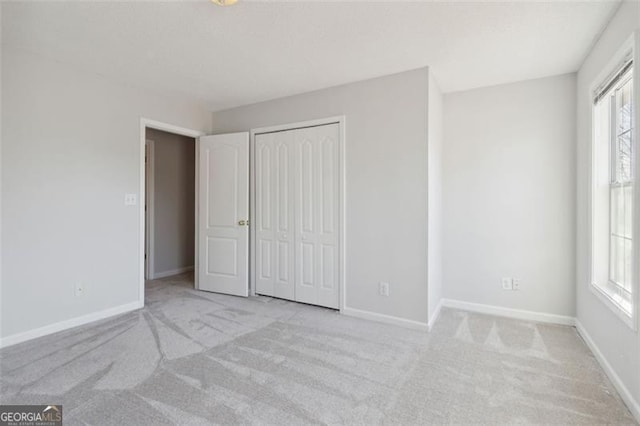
70, 152
509, 195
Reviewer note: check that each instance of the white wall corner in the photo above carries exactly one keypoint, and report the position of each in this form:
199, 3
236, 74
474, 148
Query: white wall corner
435, 315
509, 312
14, 339
387, 319
625, 394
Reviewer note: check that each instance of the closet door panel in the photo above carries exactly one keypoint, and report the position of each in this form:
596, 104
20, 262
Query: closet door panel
329, 211
316, 215
264, 226
283, 199
305, 216
274, 215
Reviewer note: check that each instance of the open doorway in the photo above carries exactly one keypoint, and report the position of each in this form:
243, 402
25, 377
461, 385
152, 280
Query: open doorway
170, 165
145, 126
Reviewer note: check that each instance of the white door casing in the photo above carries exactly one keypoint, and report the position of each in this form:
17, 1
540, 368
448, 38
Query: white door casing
297, 213
149, 255
223, 207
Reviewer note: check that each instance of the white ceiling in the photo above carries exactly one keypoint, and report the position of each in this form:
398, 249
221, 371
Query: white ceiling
259, 50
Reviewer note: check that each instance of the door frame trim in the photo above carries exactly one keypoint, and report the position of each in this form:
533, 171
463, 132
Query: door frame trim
149, 200
341, 121
170, 128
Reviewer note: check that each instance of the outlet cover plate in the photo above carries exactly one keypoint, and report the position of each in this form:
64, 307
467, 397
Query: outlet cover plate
516, 283
507, 283
384, 289
79, 290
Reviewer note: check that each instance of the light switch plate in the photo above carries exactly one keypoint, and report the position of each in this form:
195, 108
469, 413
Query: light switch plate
130, 199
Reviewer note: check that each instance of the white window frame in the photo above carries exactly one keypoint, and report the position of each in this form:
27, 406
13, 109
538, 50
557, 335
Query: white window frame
599, 289
614, 286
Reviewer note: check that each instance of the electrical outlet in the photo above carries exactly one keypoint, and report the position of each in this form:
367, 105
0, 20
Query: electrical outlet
516, 283
384, 289
507, 283
79, 290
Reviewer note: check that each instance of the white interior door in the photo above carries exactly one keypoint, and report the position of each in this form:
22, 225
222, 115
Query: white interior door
274, 212
316, 216
223, 213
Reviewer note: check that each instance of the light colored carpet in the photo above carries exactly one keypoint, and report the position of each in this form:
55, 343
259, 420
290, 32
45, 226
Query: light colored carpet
191, 357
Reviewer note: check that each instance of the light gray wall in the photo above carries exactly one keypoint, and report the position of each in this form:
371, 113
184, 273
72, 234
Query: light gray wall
71, 150
174, 200
436, 141
509, 203
619, 344
386, 182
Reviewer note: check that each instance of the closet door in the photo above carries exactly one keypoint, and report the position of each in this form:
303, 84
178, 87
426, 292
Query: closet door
317, 215
274, 215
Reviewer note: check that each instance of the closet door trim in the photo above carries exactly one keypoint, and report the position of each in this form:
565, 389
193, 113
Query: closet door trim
341, 121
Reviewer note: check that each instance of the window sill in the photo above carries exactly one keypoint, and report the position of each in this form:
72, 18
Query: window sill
630, 321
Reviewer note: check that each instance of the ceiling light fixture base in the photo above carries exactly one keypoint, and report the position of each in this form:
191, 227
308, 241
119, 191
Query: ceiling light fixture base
224, 2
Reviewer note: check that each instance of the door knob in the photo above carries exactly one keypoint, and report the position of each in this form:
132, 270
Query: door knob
242, 222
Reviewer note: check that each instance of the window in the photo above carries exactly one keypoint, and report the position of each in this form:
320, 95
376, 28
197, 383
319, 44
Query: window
613, 192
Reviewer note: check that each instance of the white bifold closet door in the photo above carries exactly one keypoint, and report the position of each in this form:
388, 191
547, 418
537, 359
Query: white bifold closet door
274, 229
297, 214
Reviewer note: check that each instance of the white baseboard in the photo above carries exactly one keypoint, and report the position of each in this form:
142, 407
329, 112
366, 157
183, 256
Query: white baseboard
436, 314
624, 393
387, 319
509, 312
165, 274
67, 324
